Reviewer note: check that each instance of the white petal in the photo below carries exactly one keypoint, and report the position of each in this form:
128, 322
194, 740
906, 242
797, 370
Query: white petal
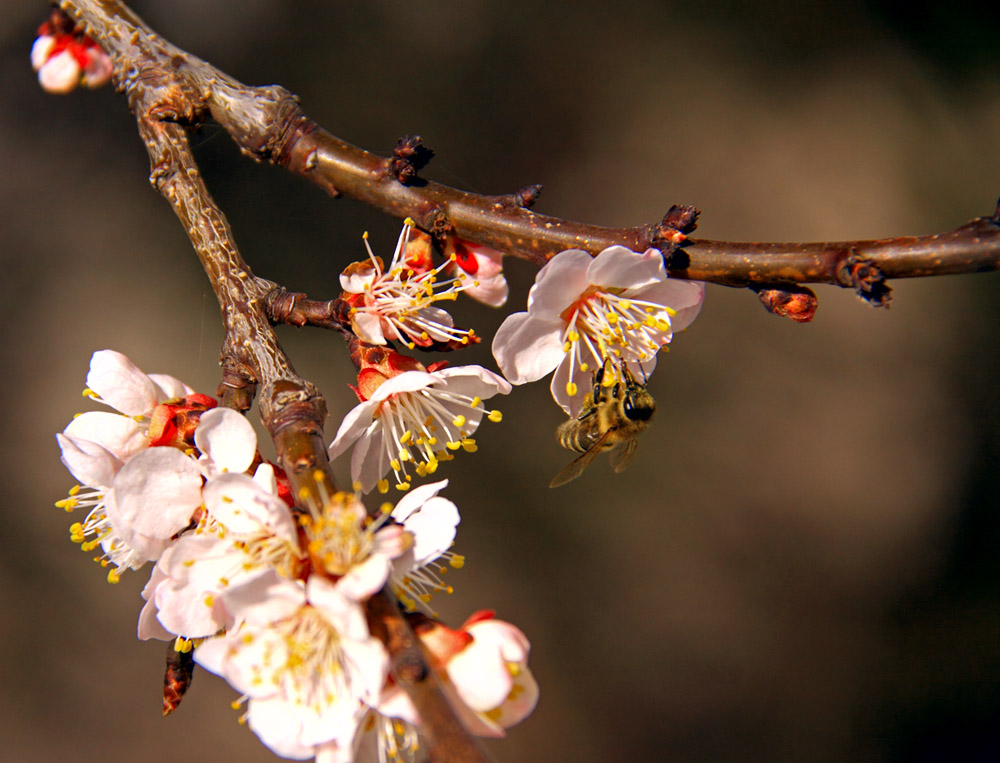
367, 457
686, 297
169, 387
368, 327
60, 74
156, 493
622, 268
343, 613
559, 283
408, 381
472, 381
273, 720
357, 420
40, 50
98, 70
492, 291
480, 676
364, 579
415, 498
527, 348
227, 438
121, 384
91, 464
121, 435
583, 379
265, 599
433, 527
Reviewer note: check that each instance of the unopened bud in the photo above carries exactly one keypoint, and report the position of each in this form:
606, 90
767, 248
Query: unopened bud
788, 301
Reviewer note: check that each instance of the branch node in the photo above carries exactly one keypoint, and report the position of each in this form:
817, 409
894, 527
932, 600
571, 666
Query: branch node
790, 301
409, 157
671, 233
527, 196
436, 223
868, 281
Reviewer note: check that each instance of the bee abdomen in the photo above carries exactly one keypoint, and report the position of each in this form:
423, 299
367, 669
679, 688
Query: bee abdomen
574, 436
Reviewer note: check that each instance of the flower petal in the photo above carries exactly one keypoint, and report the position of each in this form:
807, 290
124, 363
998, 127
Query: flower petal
121, 384
169, 387
227, 439
527, 348
559, 284
619, 267
91, 464
156, 493
121, 435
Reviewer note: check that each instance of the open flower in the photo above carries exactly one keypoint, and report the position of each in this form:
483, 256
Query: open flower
485, 674
136, 493
582, 311
414, 419
396, 303
304, 660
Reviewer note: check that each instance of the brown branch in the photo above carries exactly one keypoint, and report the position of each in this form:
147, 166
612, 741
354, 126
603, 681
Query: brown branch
291, 407
268, 124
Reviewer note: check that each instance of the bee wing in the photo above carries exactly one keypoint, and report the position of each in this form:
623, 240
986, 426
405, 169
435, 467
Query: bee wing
576, 467
623, 454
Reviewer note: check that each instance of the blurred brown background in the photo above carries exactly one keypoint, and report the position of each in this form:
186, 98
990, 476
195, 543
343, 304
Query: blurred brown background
801, 562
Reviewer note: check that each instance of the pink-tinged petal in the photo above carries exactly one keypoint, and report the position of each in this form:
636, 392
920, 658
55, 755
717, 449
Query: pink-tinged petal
357, 281
583, 380
149, 626
265, 477
521, 701
686, 297
368, 327
91, 464
265, 599
239, 503
40, 50
489, 262
415, 498
508, 639
121, 435
368, 664
242, 656
156, 493
408, 381
169, 387
622, 268
527, 348
357, 420
480, 677
472, 381
433, 528
364, 579
278, 727
60, 74
367, 459
391, 541
121, 384
342, 752
559, 284
187, 612
492, 291
394, 703
227, 439
342, 612
98, 70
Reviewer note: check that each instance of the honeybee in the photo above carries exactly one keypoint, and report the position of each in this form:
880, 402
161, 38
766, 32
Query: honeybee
612, 416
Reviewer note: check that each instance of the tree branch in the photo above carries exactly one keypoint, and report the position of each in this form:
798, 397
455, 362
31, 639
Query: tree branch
268, 125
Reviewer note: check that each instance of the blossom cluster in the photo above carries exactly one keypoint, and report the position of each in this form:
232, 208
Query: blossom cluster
270, 596
65, 57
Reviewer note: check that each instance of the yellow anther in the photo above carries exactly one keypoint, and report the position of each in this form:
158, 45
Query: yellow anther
457, 561
469, 445
453, 445
459, 421
571, 389
395, 465
114, 576
303, 492
386, 508
236, 704
75, 489
209, 600
90, 393
567, 347
409, 222
364, 235
476, 402
356, 486
625, 304
404, 455
407, 437
421, 470
670, 311
67, 503
495, 416
404, 486
612, 318
383, 486
431, 466
573, 336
